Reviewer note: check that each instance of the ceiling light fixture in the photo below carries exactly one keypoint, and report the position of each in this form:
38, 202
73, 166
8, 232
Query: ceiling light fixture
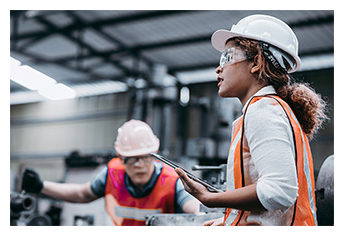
36, 80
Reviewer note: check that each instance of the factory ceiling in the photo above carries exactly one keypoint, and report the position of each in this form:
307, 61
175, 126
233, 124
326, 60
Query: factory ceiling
82, 47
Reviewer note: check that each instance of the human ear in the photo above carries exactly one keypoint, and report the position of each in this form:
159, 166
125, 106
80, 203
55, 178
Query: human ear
257, 64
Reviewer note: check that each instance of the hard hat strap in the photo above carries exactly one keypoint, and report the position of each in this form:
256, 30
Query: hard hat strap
268, 55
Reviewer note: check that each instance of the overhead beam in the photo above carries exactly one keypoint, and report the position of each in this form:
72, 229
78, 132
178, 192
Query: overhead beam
79, 25
310, 22
98, 25
91, 50
102, 23
145, 16
151, 46
105, 35
88, 74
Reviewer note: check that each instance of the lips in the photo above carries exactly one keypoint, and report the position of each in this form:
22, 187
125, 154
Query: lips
220, 81
140, 173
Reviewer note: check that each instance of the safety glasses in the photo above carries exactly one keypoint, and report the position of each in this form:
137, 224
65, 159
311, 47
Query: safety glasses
230, 56
133, 160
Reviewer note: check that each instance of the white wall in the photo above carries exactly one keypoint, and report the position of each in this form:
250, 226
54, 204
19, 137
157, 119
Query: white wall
55, 128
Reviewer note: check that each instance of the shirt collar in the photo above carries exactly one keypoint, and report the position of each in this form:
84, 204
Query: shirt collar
265, 90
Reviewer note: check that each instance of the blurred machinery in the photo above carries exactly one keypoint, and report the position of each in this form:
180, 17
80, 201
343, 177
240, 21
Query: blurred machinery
20, 203
24, 211
77, 160
325, 192
204, 140
181, 219
87, 220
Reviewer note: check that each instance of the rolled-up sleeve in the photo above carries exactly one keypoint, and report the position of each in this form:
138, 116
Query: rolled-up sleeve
181, 197
270, 139
98, 182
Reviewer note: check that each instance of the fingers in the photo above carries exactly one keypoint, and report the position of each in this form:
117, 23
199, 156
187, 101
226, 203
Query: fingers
214, 222
187, 182
184, 177
208, 223
181, 174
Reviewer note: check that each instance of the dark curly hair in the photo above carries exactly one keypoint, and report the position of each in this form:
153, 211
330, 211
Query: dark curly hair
307, 105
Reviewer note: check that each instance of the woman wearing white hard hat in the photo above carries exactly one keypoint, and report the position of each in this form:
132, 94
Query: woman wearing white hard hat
270, 168
133, 184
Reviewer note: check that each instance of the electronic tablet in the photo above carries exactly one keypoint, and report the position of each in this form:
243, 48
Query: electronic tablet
174, 166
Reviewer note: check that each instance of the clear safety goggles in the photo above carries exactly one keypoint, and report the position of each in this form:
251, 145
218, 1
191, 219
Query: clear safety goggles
230, 56
133, 160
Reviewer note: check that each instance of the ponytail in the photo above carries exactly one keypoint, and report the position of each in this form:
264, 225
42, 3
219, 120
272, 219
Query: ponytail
307, 105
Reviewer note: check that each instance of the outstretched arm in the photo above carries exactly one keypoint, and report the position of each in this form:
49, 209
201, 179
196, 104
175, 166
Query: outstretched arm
75, 193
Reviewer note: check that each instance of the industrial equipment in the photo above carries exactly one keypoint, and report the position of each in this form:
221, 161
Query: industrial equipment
325, 192
24, 211
181, 219
19, 204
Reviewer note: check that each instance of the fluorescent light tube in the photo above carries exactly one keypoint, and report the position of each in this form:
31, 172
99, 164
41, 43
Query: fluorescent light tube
29, 77
35, 80
57, 92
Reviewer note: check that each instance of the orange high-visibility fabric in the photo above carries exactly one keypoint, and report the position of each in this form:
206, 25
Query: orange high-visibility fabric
127, 210
304, 209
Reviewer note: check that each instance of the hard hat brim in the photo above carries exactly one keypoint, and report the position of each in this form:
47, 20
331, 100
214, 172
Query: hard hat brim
221, 36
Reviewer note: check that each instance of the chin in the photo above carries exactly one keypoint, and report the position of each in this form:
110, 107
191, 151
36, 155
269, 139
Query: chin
222, 94
141, 181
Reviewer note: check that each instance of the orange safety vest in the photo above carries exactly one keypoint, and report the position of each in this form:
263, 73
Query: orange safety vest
127, 210
303, 212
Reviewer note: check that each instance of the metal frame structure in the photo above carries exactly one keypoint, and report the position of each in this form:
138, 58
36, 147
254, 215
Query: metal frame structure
32, 31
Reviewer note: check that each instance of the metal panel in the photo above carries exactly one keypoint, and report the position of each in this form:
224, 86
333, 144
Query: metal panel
181, 219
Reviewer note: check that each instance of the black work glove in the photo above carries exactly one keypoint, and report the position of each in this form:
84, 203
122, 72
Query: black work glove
31, 182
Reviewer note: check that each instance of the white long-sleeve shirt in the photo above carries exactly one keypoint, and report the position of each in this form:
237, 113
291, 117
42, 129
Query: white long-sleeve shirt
270, 139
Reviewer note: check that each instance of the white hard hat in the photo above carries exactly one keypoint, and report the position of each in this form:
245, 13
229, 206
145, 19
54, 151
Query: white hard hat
279, 36
136, 138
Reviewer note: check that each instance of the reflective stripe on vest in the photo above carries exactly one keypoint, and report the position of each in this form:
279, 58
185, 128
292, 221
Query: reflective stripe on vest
234, 170
305, 210
135, 213
307, 168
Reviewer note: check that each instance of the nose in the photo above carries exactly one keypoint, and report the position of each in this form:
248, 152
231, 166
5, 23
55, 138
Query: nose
138, 162
218, 70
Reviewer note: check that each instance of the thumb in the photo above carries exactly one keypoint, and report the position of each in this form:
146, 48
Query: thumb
184, 177
181, 173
